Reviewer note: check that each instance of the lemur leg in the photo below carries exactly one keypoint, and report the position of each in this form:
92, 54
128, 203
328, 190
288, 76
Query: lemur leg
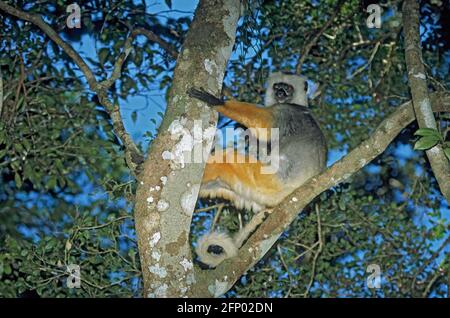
216, 216
240, 221
248, 229
239, 181
209, 208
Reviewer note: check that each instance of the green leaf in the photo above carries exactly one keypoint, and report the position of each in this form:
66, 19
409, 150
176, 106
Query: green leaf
18, 180
28, 170
51, 183
7, 269
428, 132
3, 153
447, 152
425, 132
168, 3
59, 165
138, 58
18, 147
26, 144
103, 54
341, 204
426, 142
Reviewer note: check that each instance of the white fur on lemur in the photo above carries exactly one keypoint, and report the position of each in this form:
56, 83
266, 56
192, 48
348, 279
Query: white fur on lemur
229, 245
298, 82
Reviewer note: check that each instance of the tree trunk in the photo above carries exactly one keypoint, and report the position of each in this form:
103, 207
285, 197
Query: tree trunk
167, 189
419, 91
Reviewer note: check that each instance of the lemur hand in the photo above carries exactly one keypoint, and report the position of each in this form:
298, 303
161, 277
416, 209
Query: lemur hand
204, 96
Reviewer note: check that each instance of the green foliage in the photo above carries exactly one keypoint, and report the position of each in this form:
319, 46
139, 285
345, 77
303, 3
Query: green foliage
428, 138
447, 152
62, 168
41, 269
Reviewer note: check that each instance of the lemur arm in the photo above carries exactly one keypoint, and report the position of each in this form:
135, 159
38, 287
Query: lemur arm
249, 115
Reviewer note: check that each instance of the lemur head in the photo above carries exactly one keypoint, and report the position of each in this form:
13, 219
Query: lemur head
215, 247
286, 88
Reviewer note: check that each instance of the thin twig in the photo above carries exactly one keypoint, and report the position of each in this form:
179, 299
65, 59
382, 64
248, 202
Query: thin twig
428, 262
153, 37
431, 283
104, 224
291, 280
316, 253
369, 62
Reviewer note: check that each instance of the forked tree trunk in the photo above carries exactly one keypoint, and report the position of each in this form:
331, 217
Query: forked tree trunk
167, 191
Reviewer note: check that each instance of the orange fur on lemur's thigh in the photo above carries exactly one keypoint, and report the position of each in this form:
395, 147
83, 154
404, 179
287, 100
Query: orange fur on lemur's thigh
242, 180
249, 115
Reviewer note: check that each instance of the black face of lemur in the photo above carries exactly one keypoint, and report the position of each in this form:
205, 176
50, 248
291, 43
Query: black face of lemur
283, 92
215, 249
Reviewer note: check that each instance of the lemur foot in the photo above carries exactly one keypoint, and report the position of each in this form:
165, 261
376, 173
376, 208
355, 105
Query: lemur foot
204, 96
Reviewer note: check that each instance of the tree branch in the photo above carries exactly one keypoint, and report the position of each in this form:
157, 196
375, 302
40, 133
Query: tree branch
226, 274
117, 71
419, 92
168, 189
153, 37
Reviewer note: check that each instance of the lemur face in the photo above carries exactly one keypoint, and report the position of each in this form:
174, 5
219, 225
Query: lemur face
283, 92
